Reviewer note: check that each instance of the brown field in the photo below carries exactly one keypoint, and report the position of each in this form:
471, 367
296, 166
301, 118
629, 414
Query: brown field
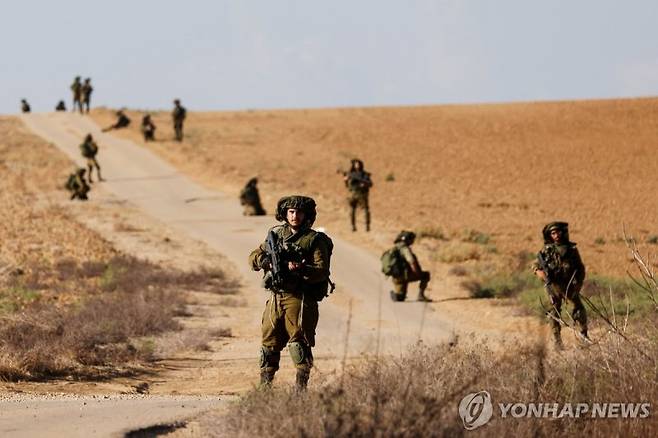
501, 170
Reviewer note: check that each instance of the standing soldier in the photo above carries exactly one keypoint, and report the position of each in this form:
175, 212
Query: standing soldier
122, 122
178, 115
250, 199
77, 185
560, 267
89, 150
296, 260
76, 89
148, 128
408, 269
25, 107
358, 182
61, 106
86, 95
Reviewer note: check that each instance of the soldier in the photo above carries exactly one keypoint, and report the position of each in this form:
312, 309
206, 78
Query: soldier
76, 89
77, 185
148, 128
25, 107
178, 115
86, 95
122, 122
89, 150
560, 267
250, 199
297, 282
410, 269
358, 182
61, 106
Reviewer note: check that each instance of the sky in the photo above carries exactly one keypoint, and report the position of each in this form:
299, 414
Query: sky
255, 54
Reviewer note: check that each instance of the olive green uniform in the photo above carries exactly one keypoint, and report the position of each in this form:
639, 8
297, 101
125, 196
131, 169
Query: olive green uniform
178, 115
148, 128
358, 183
250, 200
291, 313
77, 185
401, 283
567, 273
76, 89
85, 92
89, 150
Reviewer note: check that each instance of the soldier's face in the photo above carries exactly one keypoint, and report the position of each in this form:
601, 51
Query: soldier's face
556, 235
295, 217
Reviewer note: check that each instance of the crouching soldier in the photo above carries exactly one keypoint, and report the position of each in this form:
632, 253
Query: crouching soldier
296, 262
561, 269
148, 128
250, 199
402, 265
77, 185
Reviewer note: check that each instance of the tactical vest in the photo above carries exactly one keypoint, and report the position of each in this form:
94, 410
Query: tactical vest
298, 248
561, 262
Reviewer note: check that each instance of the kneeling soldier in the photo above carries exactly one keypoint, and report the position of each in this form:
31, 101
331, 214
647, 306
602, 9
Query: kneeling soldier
296, 262
411, 270
77, 185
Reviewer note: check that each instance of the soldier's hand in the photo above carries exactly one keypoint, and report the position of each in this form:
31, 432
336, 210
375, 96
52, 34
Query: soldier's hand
293, 266
541, 274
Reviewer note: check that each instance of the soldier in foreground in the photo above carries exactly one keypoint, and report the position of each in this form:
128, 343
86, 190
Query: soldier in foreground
122, 122
25, 107
86, 95
296, 261
402, 265
561, 269
77, 185
178, 115
89, 150
61, 106
148, 128
358, 182
250, 199
76, 89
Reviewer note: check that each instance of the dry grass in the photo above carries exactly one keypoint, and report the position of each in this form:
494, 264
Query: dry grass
418, 394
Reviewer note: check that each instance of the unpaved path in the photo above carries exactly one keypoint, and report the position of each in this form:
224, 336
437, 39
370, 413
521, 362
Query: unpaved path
136, 175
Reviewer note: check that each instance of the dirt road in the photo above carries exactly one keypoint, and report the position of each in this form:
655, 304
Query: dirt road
138, 176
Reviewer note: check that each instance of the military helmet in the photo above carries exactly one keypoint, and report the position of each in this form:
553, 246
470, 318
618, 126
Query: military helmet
556, 225
176, 101
81, 171
88, 137
253, 181
356, 161
303, 203
406, 237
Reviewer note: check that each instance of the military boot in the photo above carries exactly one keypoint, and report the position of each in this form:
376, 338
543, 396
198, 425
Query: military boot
266, 378
301, 379
422, 297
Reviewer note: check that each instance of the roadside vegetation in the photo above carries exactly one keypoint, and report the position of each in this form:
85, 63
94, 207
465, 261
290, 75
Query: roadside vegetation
417, 394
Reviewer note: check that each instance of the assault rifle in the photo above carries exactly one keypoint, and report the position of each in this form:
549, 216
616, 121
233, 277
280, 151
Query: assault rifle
543, 266
362, 178
273, 279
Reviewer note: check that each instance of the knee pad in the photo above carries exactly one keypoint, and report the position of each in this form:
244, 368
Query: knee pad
269, 358
300, 353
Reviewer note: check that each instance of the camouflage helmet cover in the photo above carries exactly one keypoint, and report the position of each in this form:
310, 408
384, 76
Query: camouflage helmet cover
354, 163
556, 225
303, 203
405, 236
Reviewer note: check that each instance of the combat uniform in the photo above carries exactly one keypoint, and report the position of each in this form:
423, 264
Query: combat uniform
77, 185
86, 95
250, 199
400, 283
25, 107
358, 183
566, 273
148, 128
89, 150
122, 122
291, 312
178, 116
61, 106
76, 89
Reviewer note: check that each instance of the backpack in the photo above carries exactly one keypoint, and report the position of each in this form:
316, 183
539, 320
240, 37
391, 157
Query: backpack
392, 262
328, 288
